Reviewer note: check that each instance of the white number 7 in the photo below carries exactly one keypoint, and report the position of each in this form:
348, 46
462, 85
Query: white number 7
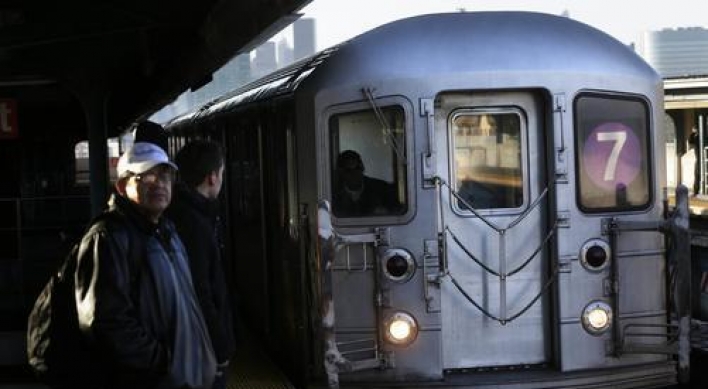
619, 137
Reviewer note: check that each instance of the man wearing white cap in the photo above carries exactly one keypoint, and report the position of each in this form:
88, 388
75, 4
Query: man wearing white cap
135, 298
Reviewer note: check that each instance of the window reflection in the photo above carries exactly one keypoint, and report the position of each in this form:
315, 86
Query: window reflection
487, 160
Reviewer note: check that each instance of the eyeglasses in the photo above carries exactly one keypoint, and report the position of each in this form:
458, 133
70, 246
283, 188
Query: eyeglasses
151, 177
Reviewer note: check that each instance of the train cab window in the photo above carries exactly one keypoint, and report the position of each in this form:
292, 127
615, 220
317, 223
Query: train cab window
487, 165
612, 153
368, 163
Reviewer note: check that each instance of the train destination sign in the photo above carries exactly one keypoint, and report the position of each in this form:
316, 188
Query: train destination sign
612, 155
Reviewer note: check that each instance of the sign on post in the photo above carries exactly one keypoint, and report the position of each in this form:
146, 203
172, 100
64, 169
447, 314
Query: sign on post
8, 119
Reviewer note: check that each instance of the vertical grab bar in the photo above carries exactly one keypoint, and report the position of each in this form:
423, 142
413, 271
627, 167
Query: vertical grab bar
427, 110
502, 278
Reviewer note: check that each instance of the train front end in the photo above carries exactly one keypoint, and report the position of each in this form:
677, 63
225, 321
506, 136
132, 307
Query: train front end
491, 209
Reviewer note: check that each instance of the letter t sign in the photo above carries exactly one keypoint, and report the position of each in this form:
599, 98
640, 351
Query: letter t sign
8, 119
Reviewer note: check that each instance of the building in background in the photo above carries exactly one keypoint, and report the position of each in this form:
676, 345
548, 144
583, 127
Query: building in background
680, 56
304, 38
265, 60
285, 53
678, 52
247, 67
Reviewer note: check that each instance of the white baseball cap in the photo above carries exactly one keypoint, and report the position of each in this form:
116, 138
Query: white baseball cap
142, 157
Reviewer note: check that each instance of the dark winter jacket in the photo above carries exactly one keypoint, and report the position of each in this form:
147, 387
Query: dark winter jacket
377, 198
197, 222
140, 314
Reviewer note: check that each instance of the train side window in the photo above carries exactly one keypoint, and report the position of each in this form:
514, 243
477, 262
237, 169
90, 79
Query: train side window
368, 163
612, 153
487, 165
116, 146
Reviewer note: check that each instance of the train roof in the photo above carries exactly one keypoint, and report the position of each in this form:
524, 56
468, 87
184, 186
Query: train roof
493, 43
280, 82
489, 42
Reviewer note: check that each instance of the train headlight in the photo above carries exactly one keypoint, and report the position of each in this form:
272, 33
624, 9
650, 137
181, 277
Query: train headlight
400, 329
597, 317
398, 265
595, 255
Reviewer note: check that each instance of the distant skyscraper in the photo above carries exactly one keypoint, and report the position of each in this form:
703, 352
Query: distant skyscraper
265, 61
676, 52
242, 69
285, 53
304, 37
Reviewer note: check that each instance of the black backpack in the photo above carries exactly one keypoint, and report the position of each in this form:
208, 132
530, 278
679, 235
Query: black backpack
58, 352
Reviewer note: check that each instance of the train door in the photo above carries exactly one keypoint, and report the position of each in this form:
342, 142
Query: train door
493, 200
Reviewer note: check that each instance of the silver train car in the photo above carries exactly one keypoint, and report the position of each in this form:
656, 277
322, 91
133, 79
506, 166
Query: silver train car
468, 199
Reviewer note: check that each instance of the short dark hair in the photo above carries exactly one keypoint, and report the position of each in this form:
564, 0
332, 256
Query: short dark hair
349, 160
197, 159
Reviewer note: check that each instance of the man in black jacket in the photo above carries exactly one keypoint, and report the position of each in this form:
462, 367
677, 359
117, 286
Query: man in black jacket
358, 195
195, 213
135, 299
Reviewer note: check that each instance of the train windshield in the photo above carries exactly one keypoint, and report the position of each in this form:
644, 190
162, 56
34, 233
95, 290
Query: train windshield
368, 163
487, 160
612, 153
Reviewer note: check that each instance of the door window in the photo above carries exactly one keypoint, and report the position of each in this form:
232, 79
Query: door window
487, 165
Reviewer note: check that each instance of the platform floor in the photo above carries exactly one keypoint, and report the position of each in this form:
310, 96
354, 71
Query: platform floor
250, 369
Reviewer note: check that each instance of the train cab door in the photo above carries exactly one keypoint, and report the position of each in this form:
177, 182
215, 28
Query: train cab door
493, 207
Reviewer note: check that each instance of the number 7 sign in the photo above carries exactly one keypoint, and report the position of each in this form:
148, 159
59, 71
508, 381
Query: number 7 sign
612, 155
8, 119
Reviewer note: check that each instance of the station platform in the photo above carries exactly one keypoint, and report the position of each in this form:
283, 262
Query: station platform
250, 369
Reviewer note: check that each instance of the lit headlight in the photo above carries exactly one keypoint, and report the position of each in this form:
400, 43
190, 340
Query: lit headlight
400, 329
597, 317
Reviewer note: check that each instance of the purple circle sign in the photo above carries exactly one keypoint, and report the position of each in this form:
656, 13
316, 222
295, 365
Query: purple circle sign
612, 155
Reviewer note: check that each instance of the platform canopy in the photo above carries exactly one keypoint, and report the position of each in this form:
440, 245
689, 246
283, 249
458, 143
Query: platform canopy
135, 56
686, 92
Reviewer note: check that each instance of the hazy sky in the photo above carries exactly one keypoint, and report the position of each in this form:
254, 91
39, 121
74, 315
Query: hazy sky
338, 20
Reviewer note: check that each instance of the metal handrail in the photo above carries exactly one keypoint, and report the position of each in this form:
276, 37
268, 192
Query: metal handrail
676, 229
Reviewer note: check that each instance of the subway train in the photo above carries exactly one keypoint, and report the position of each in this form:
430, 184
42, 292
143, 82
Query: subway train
471, 199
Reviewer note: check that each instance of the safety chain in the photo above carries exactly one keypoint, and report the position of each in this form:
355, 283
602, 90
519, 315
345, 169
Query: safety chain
502, 231
496, 273
503, 321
